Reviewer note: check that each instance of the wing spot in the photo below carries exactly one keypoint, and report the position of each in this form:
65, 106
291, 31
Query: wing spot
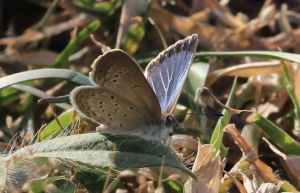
100, 102
112, 97
135, 86
125, 70
121, 125
131, 108
116, 104
100, 106
125, 115
132, 71
103, 110
114, 80
112, 87
111, 119
120, 72
116, 75
109, 115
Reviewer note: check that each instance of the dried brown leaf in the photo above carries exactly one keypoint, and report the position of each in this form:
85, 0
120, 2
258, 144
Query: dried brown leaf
201, 16
292, 161
81, 19
208, 170
224, 14
42, 58
184, 141
165, 20
264, 171
284, 40
273, 105
268, 188
245, 70
238, 184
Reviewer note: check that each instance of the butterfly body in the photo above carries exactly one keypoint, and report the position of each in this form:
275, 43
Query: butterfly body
124, 101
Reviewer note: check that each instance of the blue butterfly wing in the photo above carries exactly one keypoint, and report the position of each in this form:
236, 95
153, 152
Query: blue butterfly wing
167, 73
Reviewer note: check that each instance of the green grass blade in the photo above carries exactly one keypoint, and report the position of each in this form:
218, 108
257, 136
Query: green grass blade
60, 99
53, 129
278, 136
176, 185
101, 9
69, 75
63, 57
217, 135
260, 54
192, 87
132, 39
196, 79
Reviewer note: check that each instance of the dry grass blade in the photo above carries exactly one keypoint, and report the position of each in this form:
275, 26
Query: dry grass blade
264, 171
232, 110
236, 182
297, 83
184, 141
247, 70
81, 19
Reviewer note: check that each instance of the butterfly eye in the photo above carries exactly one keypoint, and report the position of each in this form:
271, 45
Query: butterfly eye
169, 121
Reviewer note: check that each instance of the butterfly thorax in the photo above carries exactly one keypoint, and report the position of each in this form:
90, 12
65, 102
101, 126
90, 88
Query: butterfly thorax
151, 131
160, 130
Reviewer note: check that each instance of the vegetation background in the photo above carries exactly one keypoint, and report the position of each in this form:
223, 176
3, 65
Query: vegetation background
247, 56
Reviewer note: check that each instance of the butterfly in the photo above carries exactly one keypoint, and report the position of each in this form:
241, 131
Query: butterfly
124, 101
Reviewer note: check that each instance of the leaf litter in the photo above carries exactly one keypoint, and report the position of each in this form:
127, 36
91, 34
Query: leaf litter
228, 26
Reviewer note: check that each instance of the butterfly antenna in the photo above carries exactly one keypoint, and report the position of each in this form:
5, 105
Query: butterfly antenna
215, 115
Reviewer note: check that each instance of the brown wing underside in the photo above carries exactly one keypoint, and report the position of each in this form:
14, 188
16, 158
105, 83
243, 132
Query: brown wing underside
123, 98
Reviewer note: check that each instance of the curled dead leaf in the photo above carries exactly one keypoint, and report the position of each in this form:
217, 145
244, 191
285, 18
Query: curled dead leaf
208, 170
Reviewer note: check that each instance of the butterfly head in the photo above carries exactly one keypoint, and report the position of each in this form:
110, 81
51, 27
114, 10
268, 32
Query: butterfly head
168, 126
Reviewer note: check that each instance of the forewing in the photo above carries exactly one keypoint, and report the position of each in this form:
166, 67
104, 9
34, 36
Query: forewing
167, 73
